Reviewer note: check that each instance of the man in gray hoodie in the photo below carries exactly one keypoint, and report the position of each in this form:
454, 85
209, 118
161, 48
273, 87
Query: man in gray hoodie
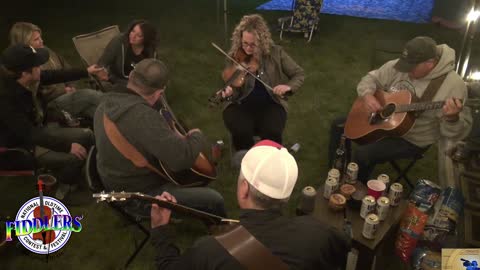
146, 129
422, 61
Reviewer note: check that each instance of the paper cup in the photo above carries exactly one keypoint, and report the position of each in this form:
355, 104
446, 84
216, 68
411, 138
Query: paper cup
376, 188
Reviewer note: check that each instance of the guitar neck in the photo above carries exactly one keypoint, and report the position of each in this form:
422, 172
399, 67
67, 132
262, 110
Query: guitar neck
204, 216
420, 106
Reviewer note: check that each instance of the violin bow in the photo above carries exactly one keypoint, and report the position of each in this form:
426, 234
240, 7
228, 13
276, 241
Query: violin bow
242, 67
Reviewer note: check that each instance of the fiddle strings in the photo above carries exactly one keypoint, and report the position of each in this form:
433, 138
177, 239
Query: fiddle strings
242, 67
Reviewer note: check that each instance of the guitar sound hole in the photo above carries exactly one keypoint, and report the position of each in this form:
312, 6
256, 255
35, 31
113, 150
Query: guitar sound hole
388, 111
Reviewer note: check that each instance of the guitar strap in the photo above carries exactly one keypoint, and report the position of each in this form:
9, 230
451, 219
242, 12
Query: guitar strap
431, 91
252, 254
127, 149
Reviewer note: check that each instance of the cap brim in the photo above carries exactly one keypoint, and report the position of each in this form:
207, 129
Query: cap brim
41, 57
403, 66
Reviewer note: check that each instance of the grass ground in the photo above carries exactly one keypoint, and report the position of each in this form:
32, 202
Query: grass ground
337, 57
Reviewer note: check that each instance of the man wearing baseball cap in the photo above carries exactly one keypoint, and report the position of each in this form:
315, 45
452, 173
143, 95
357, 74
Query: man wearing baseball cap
421, 62
266, 180
131, 110
22, 118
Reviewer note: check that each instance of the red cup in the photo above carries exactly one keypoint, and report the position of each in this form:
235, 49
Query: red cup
50, 183
376, 188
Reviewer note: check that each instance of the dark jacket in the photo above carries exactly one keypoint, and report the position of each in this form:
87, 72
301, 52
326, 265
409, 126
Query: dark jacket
55, 62
18, 124
148, 131
276, 68
113, 57
300, 242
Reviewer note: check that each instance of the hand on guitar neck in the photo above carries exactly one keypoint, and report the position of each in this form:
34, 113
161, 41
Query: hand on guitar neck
161, 216
451, 109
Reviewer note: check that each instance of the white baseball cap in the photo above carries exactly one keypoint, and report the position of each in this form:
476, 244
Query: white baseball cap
271, 169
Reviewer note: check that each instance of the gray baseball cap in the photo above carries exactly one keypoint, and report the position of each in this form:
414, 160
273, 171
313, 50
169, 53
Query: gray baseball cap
416, 51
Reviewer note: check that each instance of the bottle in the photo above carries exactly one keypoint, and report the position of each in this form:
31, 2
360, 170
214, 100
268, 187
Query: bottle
340, 161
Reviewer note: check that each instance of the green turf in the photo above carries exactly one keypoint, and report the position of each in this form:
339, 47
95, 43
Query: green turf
337, 57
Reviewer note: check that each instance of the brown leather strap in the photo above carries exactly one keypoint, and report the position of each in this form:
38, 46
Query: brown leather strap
432, 88
126, 148
252, 254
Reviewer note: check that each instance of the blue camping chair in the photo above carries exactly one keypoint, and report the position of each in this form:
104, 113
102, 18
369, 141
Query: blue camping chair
304, 20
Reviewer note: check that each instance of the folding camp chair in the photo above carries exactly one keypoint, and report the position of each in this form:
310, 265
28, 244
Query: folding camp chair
90, 46
304, 20
16, 162
96, 185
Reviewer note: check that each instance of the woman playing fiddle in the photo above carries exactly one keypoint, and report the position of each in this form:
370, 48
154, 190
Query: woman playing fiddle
254, 108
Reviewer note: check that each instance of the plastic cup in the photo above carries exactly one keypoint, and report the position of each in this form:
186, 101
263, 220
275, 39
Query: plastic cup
376, 188
50, 183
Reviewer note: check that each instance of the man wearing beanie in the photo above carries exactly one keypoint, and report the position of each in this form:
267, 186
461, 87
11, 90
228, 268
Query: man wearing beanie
22, 119
421, 62
267, 177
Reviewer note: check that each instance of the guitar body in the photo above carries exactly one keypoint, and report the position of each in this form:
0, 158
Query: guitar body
360, 128
201, 173
203, 170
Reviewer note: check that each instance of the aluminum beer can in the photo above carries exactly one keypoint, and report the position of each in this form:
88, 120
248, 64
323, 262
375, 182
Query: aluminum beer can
368, 206
386, 180
334, 173
331, 185
295, 148
395, 194
370, 226
383, 205
352, 173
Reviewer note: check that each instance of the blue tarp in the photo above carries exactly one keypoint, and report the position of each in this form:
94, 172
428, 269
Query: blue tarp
402, 10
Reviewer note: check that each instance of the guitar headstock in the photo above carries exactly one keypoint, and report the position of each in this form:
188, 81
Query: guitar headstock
115, 196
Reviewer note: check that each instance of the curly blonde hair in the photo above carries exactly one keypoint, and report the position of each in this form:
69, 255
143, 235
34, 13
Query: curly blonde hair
256, 25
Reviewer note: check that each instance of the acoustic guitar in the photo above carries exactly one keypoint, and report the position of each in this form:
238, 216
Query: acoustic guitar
203, 170
395, 119
185, 210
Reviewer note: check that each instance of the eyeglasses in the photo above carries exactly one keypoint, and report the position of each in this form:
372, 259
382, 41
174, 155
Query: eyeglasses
249, 45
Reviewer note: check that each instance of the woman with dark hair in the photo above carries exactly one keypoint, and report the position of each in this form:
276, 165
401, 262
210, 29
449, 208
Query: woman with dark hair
124, 51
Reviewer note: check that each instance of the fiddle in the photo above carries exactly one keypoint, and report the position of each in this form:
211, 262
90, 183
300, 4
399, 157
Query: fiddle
234, 75
45, 213
249, 67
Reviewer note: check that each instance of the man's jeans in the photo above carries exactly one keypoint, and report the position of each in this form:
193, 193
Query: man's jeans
369, 155
65, 166
200, 198
81, 103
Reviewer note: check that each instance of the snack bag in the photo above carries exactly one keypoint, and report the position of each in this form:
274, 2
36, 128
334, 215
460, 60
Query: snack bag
411, 228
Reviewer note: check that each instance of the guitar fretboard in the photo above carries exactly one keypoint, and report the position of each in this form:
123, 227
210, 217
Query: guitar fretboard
421, 106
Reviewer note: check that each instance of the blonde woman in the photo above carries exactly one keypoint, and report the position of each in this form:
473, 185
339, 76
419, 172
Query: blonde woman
61, 96
254, 108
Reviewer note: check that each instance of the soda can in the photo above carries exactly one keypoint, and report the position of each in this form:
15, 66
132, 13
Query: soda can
383, 205
352, 173
331, 185
395, 194
370, 226
386, 180
368, 206
334, 173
